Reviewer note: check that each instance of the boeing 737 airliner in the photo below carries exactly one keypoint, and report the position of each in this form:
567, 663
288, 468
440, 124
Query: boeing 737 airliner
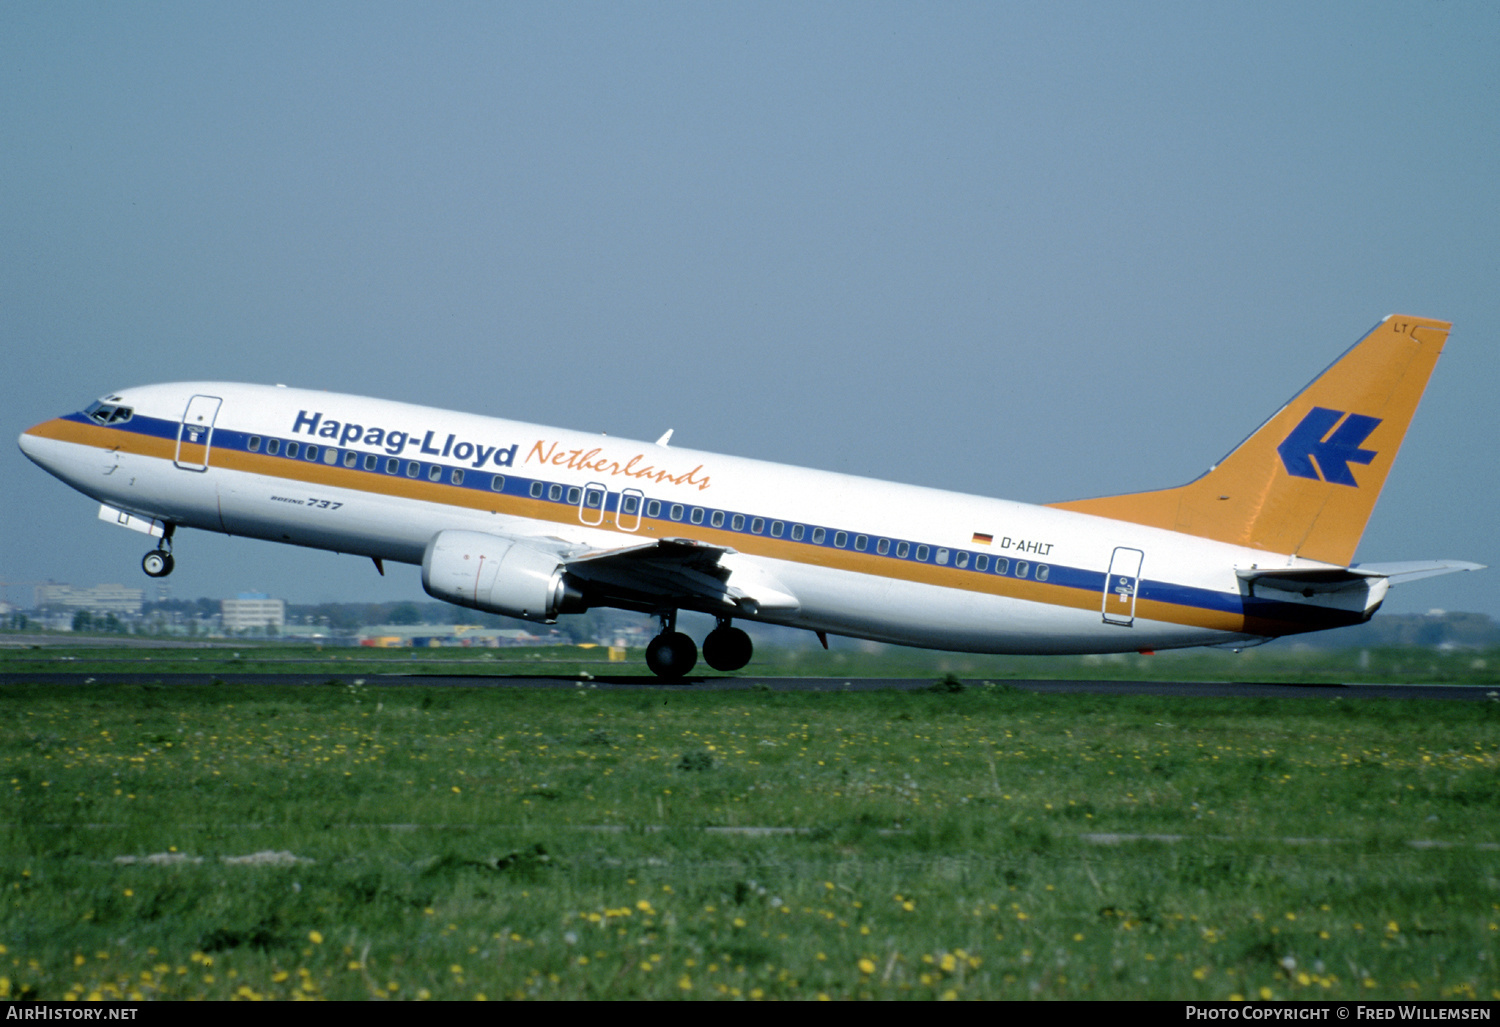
534, 522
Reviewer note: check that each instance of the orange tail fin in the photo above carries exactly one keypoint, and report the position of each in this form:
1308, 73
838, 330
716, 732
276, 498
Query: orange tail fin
1306, 481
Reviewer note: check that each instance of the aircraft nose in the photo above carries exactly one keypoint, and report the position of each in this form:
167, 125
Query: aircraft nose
28, 442
34, 443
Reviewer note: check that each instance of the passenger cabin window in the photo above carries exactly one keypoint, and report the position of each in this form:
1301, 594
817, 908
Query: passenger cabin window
961, 560
350, 458
717, 520
902, 548
758, 525
291, 450
413, 468
1043, 572
697, 515
1002, 565
554, 492
273, 446
981, 562
536, 490
331, 456
883, 546
593, 499
777, 528
941, 557
1022, 568
922, 553
653, 508
311, 453
797, 532
631, 504
457, 477
371, 461
818, 536
435, 472
574, 495
393, 466
676, 511
861, 542
738, 523
254, 444
497, 483
841, 539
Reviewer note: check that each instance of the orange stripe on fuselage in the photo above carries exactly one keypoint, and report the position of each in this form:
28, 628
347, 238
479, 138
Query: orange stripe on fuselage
421, 490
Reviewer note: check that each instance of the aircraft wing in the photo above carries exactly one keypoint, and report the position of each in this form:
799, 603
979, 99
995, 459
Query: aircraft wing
674, 572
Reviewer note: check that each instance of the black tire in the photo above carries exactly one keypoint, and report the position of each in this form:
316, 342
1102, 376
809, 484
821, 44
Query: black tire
671, 655
157, 564
727, 649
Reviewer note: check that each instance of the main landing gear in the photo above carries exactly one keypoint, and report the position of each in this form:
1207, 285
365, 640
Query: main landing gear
671, 654
159, 563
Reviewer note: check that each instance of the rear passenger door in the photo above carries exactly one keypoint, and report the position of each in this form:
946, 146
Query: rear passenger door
1121, 585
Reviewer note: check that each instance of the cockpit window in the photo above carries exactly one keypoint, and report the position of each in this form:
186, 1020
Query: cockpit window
108, 413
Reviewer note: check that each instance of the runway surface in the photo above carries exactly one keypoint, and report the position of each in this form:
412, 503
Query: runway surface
1197, 689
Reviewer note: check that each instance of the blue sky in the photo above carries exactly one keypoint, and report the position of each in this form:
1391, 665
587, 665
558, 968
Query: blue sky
1036, 251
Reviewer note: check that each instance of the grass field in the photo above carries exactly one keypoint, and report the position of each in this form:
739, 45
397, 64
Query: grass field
1276, 663
348, 841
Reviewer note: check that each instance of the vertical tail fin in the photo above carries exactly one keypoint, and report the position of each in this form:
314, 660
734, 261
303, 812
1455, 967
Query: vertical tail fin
1306, 481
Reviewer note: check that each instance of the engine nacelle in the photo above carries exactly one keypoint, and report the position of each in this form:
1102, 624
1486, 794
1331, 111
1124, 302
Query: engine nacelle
497, 575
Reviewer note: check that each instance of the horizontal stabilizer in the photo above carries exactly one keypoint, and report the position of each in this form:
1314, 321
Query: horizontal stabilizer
1333, 588
1414, 570
1359, 588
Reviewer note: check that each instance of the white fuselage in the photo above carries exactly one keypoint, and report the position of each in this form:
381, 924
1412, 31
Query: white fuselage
865, 558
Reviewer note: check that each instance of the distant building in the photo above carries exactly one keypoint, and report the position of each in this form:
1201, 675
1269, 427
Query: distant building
252, 610
99, 599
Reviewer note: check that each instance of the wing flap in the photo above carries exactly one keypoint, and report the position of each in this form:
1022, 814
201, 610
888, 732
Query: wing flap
684, 572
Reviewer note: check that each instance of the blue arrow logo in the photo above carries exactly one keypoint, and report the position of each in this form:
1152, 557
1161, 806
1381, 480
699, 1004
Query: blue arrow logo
1311, 441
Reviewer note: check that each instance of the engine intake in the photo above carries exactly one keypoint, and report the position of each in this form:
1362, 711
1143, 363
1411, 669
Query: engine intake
497, 575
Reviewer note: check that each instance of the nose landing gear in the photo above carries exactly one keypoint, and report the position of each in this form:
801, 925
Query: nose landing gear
159, 563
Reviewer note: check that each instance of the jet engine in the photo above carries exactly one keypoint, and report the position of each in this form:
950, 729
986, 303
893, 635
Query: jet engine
497, 575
